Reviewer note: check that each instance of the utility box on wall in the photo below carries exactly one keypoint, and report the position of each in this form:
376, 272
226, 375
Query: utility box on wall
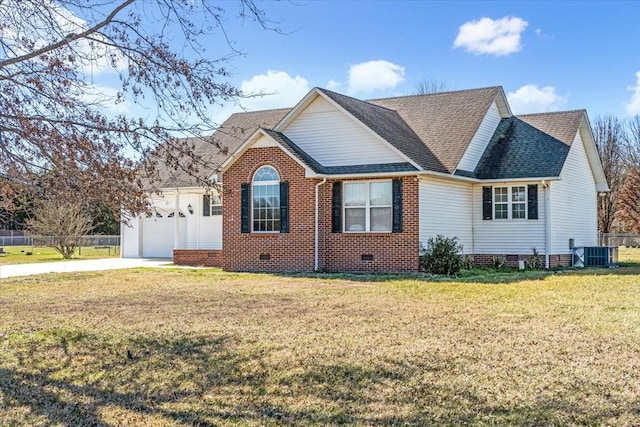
595, 256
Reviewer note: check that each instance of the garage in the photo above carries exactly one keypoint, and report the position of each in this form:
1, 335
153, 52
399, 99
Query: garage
158, 231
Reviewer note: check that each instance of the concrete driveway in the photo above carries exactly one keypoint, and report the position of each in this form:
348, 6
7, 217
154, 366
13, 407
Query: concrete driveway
13, 270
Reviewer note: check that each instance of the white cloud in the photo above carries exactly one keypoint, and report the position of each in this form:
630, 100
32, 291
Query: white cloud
531, 99
633, 107
333, 85
275, 89
491, 37
542, 36
374, 75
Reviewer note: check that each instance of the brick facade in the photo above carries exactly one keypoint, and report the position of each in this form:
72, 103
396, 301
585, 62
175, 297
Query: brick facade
294, 251
390, 252
198, 257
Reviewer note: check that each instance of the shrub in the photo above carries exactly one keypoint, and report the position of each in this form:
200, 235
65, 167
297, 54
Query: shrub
60, 224
535, 263
441, 256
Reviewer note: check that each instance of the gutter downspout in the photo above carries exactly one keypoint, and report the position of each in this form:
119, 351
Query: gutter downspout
315, 248
547, 220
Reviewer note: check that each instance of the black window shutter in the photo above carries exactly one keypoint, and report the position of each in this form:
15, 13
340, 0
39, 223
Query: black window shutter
244, 208
336, 207
532, 201
487, 203
284, 207
397, 206
206, 205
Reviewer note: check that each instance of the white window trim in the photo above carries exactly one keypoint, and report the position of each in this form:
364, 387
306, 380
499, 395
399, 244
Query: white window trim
212, 205
367, 207
251, 196
510, 202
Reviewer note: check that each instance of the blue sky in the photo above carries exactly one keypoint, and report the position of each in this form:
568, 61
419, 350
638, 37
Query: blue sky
547, 56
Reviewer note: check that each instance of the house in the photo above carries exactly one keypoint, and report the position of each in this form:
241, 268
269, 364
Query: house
340, 184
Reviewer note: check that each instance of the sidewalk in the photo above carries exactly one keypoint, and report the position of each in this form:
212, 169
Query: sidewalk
13, 270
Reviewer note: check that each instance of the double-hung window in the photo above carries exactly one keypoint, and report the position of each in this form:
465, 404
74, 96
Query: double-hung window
510, 202
501, 202
368, 206
518, 202
515, 202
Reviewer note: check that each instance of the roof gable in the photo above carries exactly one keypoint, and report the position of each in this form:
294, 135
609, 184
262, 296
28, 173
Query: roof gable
388, 125
446, 122
359, 113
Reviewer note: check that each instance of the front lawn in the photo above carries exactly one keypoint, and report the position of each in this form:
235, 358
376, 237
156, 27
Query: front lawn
202, 347
31, 254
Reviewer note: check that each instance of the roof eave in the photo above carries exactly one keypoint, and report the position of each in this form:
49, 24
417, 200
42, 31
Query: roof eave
589, 142
295, 111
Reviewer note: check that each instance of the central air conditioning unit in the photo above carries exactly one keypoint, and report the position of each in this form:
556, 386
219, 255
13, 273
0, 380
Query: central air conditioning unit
595, 256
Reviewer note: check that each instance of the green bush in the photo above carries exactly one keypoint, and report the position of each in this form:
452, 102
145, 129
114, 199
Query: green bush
441, 256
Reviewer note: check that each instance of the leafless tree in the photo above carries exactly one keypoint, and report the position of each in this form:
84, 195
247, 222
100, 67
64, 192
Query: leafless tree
632, 138
609, 137
429, 86
629, 202
60, 225
56, 136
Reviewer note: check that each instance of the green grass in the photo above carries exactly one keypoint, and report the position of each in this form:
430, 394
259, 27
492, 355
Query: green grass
32, 254
214, 348
629, 255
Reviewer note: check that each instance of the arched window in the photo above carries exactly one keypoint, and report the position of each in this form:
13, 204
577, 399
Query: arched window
265, 190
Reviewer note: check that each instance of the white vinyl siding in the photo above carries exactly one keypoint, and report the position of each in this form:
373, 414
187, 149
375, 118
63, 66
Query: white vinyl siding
190, 231
480, 140
154, 237
211, 232
130, 244
445, 208
334, 139
574, 212
508, 237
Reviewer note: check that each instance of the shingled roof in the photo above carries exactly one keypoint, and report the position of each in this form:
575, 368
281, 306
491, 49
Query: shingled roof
562, 125
519, 150
432, 130
445, 122
216, 149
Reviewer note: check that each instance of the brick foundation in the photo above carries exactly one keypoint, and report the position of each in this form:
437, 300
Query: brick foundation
198, 257
512, 260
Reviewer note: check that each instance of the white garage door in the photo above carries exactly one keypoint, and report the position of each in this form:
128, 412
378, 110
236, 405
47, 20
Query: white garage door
158, 235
